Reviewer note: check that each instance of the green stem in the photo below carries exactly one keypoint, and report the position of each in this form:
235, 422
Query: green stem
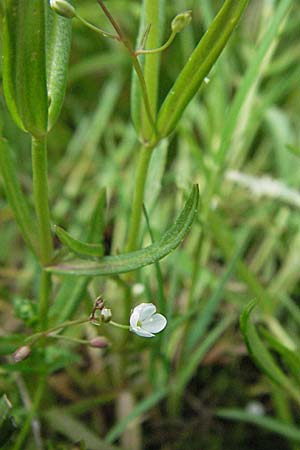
151, 66
19, 444
137, 68
119, 325
138, 198
45, 290
159, 49
34, 337
40, 195
98, 30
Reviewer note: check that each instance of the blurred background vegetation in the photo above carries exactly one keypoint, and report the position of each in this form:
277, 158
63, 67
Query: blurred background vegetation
195, 386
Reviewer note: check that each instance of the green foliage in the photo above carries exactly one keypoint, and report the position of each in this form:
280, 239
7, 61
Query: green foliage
24, 64
7, 425
115, 188
111, 265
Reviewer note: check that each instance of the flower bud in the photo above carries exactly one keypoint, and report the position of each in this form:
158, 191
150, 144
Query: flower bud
181, 21
22, 353
63, 8
105, 315
99, 342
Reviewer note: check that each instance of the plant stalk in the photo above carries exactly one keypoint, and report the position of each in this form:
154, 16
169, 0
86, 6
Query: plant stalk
40, 195
138, 198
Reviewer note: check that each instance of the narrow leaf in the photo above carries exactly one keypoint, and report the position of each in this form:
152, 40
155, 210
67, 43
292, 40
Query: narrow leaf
7, 425
58, 51
268, 423
24, 64
16, 197
77, 246
142, 407
261, 355
199, 65
110, 265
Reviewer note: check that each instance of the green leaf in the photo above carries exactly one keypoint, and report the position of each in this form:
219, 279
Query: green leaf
268, 423
261, 355
199, 65
75, 430
140, 409
16, 197
58, 50
9, 344
7, 425
290, 357
293, 149
24, 64
77, 246
110, 265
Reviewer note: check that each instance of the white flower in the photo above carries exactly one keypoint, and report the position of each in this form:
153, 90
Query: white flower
145, 321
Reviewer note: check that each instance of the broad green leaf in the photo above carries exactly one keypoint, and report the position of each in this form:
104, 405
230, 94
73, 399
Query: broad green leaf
58, 50
77, 246
261, 355
199, 65
7, 425
24, 64
110, 265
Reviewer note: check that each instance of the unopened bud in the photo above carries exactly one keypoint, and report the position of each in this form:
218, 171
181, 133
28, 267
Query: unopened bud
181, 21
99, 342
105, 315
63, 8
22, 353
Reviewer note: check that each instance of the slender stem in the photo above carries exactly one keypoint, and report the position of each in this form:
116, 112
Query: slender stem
138, 199
98, 30
157, 50
34, 337
19, 444
136, 65
151, 65
69, 339
40, 194
119, 325
45, 290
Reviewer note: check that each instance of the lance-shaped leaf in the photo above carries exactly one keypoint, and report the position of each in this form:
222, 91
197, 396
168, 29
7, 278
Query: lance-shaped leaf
58, 50
77, 246
24, 64
111, 265
261, 355
199, 64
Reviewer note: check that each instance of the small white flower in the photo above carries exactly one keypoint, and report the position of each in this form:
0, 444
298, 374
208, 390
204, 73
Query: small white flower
145, 321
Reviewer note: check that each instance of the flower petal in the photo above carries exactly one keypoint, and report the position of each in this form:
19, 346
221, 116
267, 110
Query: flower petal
141, 332
134, 318
155, 323
145, 310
